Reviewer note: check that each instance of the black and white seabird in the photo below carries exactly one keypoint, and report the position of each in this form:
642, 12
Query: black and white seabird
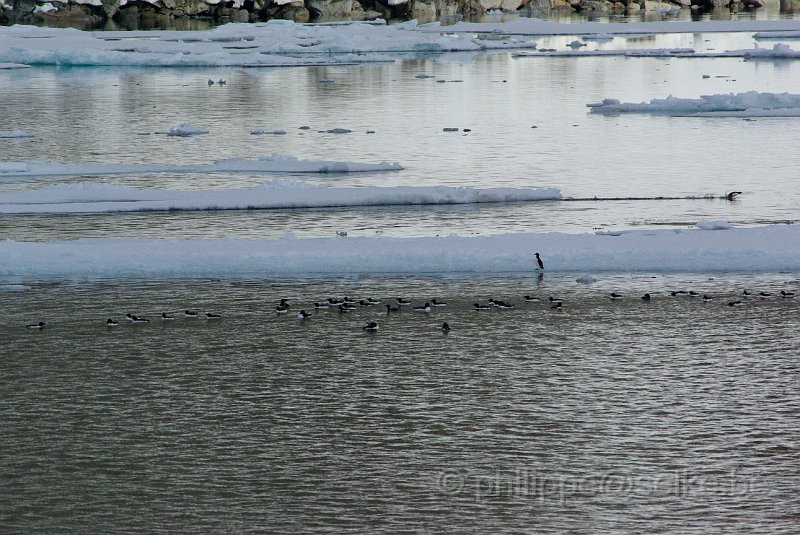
555, 299
129, 316
366, 303
787, 295
502, 304
282, 309
343, 309
679, 293
436, 303
616, 296
445, 327
557, 305
39, 325
481, 307
390, 308
371, 326
320, 305
424, 308
190, 314
764, 295
706, 297
374, 301
692, 293
212, 316
335, 302
303, 315
137, 319
111, 323
531, 299
539, 261
403, 302
736, 304
732, 195
646, 297
166, 317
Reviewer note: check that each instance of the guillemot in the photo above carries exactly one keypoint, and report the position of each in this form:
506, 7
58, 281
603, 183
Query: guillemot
616, 296
436, 303
424, 308
166, 317
303, 315
646, 297
39, 325
212, 316
190, 314
111, 323
445, 327
371, 326
539, 261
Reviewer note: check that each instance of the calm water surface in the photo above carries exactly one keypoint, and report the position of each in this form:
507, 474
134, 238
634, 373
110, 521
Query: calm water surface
669, 416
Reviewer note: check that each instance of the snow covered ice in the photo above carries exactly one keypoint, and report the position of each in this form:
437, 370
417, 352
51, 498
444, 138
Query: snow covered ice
658, 251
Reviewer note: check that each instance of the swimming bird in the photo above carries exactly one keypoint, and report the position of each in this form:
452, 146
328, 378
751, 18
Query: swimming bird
320, 305
282, 309
557, 305
736, 304
531, 299
190, 314
679, 292
343, 309
222, 82
503, 304
390, 308
210, 82
212, 316
646, 297
787, 295
371, 326
555, 299
436, 303
285, 303
303, 315
616, 295
335, 302
39, 325
424, 308
539, 261
764, 295
129, 316
445, 327
732, 195
166, 317
706, 297
692, 293
111, 323
746, 293
481, 307
373, 301
137, 319
402, 302
366, 303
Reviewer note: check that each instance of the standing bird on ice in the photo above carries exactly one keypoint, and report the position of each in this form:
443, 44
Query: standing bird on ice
539, 261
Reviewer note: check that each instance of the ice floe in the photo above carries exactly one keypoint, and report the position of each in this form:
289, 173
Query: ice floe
14, 134
750, 103
96, 198
268, 164
759, 249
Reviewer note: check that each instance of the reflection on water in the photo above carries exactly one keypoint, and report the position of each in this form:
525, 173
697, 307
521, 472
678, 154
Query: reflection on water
661, 416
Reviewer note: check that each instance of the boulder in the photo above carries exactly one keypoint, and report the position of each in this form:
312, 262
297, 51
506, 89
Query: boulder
423, 10
331, 9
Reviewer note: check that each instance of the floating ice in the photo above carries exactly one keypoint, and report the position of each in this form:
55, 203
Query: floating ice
740, 104
713, 225
96, 198
761, 249
14, 134
186, 130
268, 164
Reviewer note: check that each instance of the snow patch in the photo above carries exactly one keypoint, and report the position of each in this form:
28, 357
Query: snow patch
713, 225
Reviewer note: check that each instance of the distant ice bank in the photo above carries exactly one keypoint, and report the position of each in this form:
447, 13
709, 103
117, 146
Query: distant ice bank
761, 249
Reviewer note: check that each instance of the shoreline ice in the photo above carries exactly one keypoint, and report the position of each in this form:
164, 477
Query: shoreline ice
759, 249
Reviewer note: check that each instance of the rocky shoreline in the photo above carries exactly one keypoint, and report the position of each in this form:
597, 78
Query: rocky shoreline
152, 14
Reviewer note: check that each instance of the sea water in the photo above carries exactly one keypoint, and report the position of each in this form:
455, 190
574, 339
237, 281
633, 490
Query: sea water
606, 415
